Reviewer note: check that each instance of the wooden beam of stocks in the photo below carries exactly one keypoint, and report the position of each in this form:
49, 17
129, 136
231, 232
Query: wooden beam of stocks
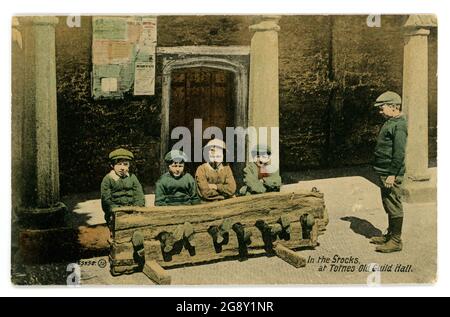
289, 256
156, 273
269, 207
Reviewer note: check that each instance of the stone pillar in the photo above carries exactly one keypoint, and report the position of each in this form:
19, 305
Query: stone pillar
415, 102
40, 206
263, 86
418, 186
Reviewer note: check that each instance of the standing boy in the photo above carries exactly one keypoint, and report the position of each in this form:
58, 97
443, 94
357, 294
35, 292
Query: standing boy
176, 187
389, 165
120, 187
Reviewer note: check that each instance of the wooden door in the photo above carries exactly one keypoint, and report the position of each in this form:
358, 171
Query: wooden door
201, 93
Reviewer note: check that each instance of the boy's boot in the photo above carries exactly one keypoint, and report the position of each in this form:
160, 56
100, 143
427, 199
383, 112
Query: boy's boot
223, 229
394, 244
138, 242
214, 233
268, 234
244, 240
189, 238
178, 233
220, 234
307, 222
138, 247
285, 223
385, 237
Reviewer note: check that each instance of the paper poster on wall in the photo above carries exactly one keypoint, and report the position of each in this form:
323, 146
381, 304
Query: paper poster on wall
109, 84
120, 52
123, 46
134, 31
147, 41
144, 78
109, 28
100, 52
149, 30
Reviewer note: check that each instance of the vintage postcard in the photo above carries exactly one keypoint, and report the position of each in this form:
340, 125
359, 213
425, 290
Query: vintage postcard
224, 149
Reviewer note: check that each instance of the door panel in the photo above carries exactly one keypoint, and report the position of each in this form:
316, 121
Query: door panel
201, 93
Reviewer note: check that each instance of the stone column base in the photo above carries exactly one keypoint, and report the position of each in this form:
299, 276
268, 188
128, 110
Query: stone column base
43, 218
30, 233
420, 191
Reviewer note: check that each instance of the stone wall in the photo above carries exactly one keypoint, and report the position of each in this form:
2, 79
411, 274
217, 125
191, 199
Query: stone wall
331, 69
203, 30
304, 63
88, 129
366, 62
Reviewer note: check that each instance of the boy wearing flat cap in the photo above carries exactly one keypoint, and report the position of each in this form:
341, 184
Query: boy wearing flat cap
258, 176
176, 187
120, 187
389, 165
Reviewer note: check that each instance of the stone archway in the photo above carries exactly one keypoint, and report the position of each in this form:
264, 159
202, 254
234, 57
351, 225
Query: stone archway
214, 57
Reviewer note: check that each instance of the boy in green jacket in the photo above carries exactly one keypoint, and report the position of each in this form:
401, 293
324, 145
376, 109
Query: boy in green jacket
389, 165
120, 187
176, 187
258, 177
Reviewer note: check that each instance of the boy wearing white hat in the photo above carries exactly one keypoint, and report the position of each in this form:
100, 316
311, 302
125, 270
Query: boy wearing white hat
215, 181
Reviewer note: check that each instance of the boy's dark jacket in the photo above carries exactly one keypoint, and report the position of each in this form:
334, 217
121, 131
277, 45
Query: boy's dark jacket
389, 157
117, 192
171, 191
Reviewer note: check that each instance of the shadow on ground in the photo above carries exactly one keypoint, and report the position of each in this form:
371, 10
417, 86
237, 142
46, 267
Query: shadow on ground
72, 218
362, 227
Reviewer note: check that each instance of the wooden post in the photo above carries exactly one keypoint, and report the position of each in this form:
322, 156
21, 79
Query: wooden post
289, 256
156, 273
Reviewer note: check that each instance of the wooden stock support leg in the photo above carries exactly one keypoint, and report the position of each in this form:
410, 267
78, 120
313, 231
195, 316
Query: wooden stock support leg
289, 256
156, 273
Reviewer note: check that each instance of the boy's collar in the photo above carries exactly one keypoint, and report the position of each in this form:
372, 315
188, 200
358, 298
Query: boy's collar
116, 177
215, 169
175, 177
401, 115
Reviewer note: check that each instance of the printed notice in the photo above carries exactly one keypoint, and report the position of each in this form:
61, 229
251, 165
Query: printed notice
144, 78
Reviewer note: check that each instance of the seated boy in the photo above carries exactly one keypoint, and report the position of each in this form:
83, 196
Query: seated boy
119, 187
258, 178
176, 187
215, 180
